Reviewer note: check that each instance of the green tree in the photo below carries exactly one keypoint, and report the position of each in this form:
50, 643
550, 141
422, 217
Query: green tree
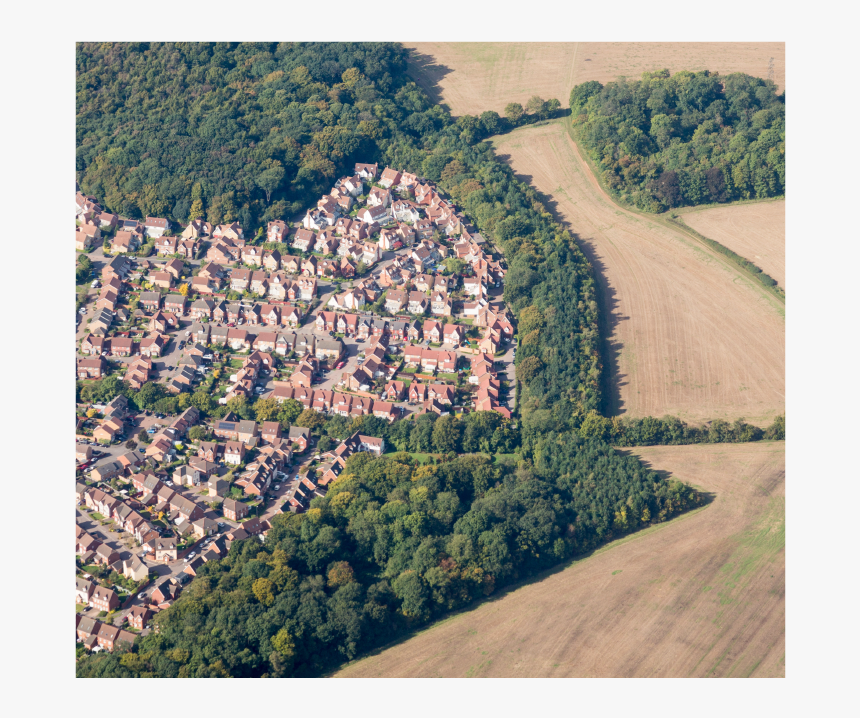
202, 400
446, 434
269, 180
340, 573
528, 369
453, 265
310, 419
266, 409
536, 105
283, 643
263, 590
289, 412
514, 112
197, 433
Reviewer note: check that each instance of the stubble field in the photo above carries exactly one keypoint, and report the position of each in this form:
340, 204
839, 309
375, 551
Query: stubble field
688, 333
702, 595
471, 77
754, 231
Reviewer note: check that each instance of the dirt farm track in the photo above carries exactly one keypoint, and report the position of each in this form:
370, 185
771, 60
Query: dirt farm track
702, 595
471, 77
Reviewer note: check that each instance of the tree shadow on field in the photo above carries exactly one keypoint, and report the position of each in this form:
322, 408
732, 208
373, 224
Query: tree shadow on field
610, 317
427, 73
707, 497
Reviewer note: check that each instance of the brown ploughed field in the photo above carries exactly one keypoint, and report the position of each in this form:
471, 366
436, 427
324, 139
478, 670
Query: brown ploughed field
472, 77
702, 595
755, 231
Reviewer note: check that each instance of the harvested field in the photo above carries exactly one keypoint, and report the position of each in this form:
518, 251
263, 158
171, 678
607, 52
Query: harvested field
702, 595
471, 77
689, 333
754, 231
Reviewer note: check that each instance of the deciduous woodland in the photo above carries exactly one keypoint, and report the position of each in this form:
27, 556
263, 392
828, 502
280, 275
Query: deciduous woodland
686, 139
252, 132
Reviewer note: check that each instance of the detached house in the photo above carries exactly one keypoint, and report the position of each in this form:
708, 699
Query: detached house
366, 171
166, 245
155, 226
234, 510
277, 231
395, 300
390, 177
373, 215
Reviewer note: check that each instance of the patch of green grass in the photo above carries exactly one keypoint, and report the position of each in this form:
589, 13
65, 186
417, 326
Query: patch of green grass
97, 516
762, 543
616, 572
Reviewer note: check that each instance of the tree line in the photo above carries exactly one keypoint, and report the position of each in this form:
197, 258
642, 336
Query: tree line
685, 139
670, 430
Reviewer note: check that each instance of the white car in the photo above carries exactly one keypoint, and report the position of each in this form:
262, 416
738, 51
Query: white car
277, 487
188, 332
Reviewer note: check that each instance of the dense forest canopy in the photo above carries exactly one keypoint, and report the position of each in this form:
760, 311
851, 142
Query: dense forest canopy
229, 131
684, 139
255, 132
390, 547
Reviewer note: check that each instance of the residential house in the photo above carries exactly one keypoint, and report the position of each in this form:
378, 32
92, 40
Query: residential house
440, 304
394, 390
91, 368
163, 322
378, 197
166, 246
395, 300
138, 617
175, 304
366, 171
373, 215
453, 335
330, 349
234, 510
277, 231
271, 431
234, 452
104, 599
417, 303
134, 569
299, 437
174, 267
390, 177
155, 226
